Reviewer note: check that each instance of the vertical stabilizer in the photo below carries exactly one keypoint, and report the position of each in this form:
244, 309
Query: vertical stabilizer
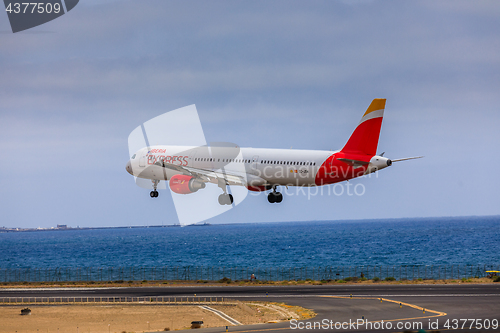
364, 139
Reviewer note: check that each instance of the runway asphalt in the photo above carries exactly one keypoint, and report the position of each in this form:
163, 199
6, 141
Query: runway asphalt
448, 307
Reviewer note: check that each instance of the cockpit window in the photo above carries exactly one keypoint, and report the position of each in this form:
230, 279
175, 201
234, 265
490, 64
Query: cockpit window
133, 156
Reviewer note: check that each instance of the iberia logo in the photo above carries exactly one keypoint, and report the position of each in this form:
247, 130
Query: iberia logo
26, 15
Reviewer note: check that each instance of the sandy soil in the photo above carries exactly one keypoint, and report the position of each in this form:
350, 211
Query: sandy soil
132, 318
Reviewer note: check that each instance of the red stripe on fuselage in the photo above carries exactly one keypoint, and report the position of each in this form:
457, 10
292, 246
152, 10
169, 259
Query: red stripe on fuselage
361, 146
334, 171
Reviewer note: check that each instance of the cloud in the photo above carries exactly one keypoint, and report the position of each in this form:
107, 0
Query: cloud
262, 74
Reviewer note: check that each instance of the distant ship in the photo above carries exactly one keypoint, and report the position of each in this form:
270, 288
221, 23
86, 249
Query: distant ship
199, 224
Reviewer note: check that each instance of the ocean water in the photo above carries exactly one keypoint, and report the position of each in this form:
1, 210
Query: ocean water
429, 241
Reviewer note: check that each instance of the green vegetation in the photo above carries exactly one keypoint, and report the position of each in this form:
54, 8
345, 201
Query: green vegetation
390, 278
376, 279
225, 280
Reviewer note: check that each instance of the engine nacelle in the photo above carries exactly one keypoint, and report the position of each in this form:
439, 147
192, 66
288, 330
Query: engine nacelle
183, 184
378, 163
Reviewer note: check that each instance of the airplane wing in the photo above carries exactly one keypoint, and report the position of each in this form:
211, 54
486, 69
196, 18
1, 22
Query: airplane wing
231, 177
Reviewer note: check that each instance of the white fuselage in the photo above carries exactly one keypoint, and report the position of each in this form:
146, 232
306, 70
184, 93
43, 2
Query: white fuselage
260, 166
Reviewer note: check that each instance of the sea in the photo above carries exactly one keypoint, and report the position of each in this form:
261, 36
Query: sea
412, 241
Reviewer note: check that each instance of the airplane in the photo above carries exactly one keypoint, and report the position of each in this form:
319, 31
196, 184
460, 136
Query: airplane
189, 168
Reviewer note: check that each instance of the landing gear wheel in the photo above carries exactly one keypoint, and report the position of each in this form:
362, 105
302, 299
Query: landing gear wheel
275, 197
226, 199
222, 200
153, 194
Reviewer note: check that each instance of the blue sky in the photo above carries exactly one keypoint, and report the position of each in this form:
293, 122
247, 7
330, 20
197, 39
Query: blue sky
262, 74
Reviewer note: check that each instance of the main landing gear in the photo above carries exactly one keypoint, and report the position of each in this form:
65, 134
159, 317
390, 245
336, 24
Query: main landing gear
274, 197
225, 198
154, 192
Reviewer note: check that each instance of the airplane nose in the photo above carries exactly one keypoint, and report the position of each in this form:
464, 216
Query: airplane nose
128, 167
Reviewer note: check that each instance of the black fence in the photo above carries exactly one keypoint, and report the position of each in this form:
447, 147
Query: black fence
190, 273
144, 300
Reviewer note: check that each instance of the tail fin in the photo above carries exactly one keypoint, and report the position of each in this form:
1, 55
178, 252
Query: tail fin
364, 139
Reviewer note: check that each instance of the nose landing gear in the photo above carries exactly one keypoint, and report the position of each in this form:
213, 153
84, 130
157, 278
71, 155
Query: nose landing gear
274, 197
154, 193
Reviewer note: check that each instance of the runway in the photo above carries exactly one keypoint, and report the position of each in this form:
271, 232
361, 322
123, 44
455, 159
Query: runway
433, 307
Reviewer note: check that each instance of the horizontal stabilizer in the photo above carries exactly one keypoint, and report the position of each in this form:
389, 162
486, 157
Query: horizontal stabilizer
353, 163
407, 158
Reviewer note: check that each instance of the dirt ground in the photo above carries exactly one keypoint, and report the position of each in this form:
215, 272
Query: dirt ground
135, 318
166, 284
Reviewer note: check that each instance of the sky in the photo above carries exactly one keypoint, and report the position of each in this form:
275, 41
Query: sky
273, 74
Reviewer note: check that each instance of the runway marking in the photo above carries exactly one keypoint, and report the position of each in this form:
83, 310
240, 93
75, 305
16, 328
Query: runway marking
263, 329
321, 295
221, 314
437, 313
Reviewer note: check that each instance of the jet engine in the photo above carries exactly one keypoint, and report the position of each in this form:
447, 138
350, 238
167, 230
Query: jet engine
183, 184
